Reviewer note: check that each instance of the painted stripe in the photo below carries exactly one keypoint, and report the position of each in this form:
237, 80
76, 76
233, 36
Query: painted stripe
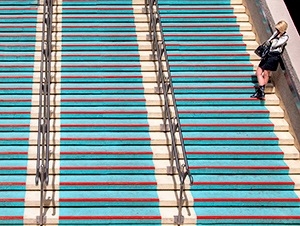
202, 35
205, 44
103, 125
11, 217
97, 8
212, 87
100, 44
210, 54
103, 112
249, 217
244, 183
241, 167
108, 200
101, 66
182, 16
98, 55
99, 76
224, 112
109, 217
211, 65
101, 138
231, 125
246, 200
96, 17
234, 153
104, 183
104, 100
105, 153
106, 168
231, 138
12, 200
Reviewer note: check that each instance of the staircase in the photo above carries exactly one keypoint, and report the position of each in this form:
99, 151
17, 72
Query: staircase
241, 154
109, 152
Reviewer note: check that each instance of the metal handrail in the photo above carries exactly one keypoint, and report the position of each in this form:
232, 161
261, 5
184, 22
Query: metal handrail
159, 50
43, 139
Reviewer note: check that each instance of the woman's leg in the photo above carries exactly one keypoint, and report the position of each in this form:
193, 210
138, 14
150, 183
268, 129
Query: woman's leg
260, 74
266, 76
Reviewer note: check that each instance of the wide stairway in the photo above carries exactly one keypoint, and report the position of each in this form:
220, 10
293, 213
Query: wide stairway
109, 150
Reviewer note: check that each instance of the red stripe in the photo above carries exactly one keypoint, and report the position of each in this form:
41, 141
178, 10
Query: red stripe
109, 217
104, 125
13, 168
16, 16
92, 8
16, 55
104, 112
16, 76
211, 65
224, 54
213, 76
216, 99
11, 217
109, 200
106, 88
12, 200
14, 113
99, 55
16, 66
19, 8
197, 8
208, 16
205, 35
15, 88
6, 138
103, 100
17, 44
14, 125
108, 138
202, 25
105, 183
234, 153
99, 26
231, 138
100, 35
17, 34
91, 44
15, 100
104, 153
231, 125
244, 183
95, 76
214, 87
248, 217
94, 17
241, 167
206, 44
12, 183
225, 112
13, 153
15, 26
107, 168
247, 200
101, 66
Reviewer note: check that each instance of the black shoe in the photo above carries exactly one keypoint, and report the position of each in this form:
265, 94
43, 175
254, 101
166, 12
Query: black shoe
256, 94
261, 92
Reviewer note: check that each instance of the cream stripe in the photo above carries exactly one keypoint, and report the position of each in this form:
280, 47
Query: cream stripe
52, 214
170, 195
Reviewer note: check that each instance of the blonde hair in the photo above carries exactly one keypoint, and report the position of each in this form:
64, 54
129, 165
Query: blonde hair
281, 26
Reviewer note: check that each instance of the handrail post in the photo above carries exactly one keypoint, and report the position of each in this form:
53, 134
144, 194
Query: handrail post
159, 49
43, 139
